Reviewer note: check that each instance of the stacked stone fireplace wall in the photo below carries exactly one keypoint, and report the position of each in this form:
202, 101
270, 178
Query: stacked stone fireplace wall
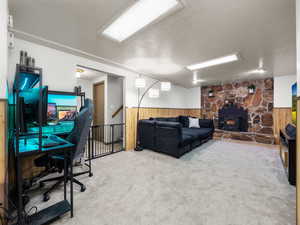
259, 105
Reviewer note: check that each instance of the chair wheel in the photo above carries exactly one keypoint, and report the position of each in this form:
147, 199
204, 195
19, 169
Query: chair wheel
83, 188
42, 184
91, 174
46, 198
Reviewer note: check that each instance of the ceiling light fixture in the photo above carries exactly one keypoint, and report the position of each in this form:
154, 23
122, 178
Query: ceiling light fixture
195, 78
138, 16
214, 62
260, 69
79, 72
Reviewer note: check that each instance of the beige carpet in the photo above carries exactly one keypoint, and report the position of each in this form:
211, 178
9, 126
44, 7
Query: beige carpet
219, 183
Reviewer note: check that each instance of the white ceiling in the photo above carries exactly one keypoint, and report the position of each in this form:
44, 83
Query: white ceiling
202, 30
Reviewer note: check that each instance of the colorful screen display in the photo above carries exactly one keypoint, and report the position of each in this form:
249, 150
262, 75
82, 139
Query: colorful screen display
66, 113
52, 113
61, 107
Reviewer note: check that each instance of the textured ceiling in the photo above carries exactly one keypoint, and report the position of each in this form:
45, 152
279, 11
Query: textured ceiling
202, 30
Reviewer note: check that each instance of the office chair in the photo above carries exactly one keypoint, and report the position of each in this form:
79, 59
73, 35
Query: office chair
79, 137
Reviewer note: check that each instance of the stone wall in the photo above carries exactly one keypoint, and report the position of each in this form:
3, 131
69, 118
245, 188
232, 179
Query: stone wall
259, 104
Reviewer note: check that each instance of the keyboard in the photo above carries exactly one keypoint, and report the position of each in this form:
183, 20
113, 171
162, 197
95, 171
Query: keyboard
51, 141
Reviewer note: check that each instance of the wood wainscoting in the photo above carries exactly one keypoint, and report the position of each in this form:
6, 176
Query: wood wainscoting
281, 117
146, 113
3, 150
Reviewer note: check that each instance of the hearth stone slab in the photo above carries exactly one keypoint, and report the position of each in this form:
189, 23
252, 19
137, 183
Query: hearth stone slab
245, 136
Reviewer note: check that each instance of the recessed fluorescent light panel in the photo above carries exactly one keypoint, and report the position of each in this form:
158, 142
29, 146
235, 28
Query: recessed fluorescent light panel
138, 16
214, 62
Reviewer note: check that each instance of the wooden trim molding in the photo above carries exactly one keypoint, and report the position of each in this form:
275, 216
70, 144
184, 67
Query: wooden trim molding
3, 150
163, 108
146, 113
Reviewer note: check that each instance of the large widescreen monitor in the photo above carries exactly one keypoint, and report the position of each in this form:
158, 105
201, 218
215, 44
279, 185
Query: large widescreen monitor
61, 107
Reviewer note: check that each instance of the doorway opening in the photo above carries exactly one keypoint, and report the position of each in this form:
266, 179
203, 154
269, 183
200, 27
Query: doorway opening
106, 91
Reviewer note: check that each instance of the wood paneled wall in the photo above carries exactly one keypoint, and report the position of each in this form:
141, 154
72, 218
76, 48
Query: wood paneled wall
3, 150
281, 117
146, 113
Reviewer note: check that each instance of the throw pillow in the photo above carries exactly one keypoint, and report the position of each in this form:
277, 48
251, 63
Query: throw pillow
193, 122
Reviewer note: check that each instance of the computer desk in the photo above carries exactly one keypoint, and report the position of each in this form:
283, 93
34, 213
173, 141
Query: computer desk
28, 146
61, 128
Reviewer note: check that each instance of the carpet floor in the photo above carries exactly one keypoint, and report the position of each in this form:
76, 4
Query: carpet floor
219, 183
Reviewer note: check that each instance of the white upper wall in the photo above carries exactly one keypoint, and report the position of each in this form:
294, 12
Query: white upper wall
58, 67
3, 47
194, 98
283, 90
59, 74
114, 99
178, 97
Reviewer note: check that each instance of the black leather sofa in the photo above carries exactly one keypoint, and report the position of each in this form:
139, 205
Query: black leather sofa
173, 136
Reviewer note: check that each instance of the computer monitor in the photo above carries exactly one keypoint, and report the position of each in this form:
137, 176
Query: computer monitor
30, 111
52, 112
21, 121
66, 113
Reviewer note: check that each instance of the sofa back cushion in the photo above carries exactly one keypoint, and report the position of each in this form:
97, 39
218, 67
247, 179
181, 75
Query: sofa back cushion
206, 123
166, 119
184, 120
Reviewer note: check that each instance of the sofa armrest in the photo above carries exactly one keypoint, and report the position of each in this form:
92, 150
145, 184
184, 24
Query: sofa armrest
168, 137
146, 133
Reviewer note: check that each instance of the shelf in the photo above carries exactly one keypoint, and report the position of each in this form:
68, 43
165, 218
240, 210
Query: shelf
50, 214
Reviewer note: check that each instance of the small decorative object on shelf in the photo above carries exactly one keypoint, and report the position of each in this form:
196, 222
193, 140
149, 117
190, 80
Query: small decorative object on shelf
251, 89
22, 58
211, 93
77, 90
27, 63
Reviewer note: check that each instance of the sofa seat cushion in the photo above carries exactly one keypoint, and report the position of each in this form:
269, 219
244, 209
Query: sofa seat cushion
197, 133
186, 140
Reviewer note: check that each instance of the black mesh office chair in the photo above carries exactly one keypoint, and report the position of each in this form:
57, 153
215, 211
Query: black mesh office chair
79, 137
